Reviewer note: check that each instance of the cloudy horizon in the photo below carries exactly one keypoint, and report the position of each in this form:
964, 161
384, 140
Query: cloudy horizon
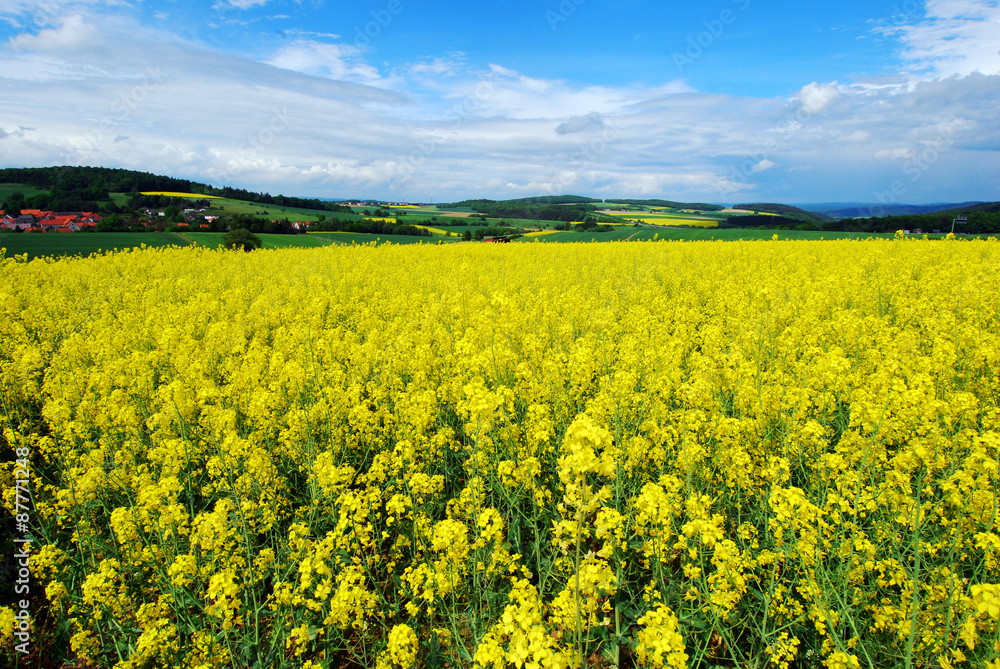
729, 102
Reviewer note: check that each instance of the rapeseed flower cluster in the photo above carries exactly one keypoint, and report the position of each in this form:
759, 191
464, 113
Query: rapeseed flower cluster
773, 454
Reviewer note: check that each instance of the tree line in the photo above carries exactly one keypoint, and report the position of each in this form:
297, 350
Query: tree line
278, 200
368, 226
979, 222
527, 210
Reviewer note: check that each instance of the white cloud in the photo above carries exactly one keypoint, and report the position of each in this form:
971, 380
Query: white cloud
438, 67
334, 61
73, 33
239, 4
507, 93
19, 132
763, 166
955, 37
816, 98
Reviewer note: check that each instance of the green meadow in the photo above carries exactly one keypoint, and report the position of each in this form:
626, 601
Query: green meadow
36, 244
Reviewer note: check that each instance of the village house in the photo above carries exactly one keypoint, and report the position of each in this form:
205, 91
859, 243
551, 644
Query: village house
47, 221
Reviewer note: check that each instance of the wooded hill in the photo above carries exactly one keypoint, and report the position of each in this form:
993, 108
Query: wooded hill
563, 208
785, 210
699, 206
74, 188
983, 218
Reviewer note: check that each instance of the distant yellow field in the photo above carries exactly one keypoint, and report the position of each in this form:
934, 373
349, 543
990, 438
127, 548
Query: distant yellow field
666, 219
747, 211
197, 196
437, 231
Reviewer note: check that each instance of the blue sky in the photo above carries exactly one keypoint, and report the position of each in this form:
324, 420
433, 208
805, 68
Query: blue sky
727, 101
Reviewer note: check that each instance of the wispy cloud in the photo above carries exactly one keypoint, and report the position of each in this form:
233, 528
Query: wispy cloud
955, 37
581, 123
240, 4
73, 33
322, 59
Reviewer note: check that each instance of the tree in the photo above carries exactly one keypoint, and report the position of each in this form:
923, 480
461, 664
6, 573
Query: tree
15, 203
110, 223
468, 235
241, 239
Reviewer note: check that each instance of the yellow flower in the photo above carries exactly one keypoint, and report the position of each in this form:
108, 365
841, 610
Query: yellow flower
660, 643
401, 650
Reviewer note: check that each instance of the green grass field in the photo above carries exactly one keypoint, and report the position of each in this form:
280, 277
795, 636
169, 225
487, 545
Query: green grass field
228, 206
223, 205
38, 245
214, 240
7, 189
49, 244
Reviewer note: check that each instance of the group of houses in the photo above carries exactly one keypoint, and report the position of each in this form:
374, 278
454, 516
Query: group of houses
36, 220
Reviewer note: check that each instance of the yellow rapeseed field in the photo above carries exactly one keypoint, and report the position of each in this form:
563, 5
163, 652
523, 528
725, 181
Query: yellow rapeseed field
198, 196
438, 231
655, 218
744, 454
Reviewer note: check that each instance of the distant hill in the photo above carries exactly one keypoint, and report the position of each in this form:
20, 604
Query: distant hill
785, 210
981, 218
541, 199
535, 207
839, 210
77, 188
989, 207
101, 180
700, 206
565, 208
